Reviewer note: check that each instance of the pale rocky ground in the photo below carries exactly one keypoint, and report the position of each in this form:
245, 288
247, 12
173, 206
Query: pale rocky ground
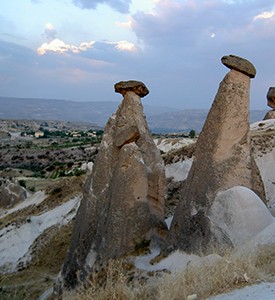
31, 230
263, 141
168, 144
262, 291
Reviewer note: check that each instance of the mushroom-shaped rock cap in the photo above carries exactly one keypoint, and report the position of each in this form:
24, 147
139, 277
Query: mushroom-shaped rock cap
240, 64
271, 97
137, 87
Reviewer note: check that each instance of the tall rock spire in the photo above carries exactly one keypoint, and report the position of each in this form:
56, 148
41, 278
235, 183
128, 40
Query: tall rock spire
222, 160
123, 203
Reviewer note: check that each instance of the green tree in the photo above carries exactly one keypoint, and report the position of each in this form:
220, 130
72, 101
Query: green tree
192, 133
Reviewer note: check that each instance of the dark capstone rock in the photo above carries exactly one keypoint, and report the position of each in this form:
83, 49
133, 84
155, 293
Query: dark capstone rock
137, 87
240, 64
271, 97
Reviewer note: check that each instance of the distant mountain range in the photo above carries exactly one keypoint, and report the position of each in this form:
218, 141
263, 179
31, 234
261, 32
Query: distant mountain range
160, 119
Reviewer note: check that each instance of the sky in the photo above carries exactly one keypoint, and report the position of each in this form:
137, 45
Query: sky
78, 49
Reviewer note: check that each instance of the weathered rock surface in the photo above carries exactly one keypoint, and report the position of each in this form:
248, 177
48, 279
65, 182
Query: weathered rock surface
240, 214
11, 193
263, 150
137, 87
271, 97
240, 64
270, 115
222, 160
4, 135
123, 204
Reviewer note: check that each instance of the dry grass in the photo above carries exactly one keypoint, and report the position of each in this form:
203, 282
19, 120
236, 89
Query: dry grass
50, 249
208, 280
117, 285
121, 281
48, 256
66, 189
28, 284
202, 280
264, 259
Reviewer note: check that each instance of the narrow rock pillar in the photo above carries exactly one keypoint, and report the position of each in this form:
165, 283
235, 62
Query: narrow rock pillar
123, 205
222, 159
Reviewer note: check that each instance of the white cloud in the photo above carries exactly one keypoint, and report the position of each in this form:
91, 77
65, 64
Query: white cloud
49, 26
264, 15
124, 46
127, 24
50, 32
84, 46
59, 46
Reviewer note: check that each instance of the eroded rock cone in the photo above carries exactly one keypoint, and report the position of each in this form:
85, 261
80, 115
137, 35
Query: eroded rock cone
271, 103
222, 160
11, 193
123, 204
270, 115
271, 97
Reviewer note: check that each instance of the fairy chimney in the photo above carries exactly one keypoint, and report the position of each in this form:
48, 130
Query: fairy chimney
123, 203
271, 103
222, 160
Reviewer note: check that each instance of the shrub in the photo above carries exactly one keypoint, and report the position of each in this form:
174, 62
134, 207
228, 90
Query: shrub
22, 183
79, 172
192, 133
50, 168
56, 190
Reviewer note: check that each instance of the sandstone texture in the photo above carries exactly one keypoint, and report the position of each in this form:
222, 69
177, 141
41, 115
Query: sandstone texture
271, 97
235, 212
270, 115
263, 150
137, 87
11, 193
240, 64
123, 204
222, 160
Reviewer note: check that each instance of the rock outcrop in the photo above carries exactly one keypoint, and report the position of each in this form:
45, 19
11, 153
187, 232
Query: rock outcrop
263, 150
123, 204
240, 214
271, 97
271, 103
222, 160
239, 64
270, 115
137, 87
11, 193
